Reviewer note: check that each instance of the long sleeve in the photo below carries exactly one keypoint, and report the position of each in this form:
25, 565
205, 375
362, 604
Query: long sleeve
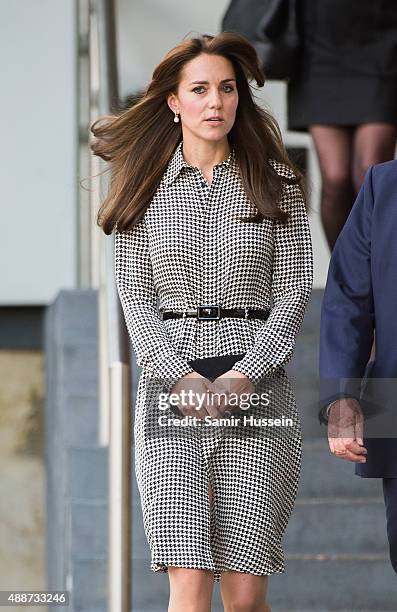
292, 279
134, 278
347, 314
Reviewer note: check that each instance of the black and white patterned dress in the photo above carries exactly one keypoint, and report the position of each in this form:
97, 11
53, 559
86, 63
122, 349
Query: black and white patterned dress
190, 249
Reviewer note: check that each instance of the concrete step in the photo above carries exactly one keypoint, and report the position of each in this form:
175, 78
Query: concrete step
342, 583
308, 585
316, 527
337, 526
324, 475
321, 544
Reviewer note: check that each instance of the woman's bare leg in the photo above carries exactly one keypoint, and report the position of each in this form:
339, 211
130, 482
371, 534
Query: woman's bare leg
334, 147
243, 592
373, 143
190, 589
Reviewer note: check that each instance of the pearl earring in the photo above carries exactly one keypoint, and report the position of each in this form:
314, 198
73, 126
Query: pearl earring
176, 118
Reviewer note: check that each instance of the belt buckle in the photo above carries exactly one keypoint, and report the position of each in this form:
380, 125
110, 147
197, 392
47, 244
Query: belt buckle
207, 313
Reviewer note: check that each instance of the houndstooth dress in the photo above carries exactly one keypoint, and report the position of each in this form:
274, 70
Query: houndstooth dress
190, 249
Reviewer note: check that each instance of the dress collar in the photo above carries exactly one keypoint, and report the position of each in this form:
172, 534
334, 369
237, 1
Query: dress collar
177, 162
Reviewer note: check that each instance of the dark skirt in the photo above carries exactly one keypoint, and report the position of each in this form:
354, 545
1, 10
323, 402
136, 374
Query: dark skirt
348, 68
212, 367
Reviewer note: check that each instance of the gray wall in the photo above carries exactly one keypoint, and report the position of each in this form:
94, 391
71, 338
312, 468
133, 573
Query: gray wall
147, 30
38, 167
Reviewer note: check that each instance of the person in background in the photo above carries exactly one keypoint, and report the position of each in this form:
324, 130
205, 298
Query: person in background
345, 95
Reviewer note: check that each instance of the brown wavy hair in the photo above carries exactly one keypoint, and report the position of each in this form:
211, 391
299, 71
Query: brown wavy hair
139, 142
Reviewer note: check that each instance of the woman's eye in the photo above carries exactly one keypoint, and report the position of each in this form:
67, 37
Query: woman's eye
228, 87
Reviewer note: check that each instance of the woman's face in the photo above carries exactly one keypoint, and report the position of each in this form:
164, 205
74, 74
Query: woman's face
207, 88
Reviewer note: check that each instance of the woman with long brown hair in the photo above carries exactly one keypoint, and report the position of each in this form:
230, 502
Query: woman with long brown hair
213, 264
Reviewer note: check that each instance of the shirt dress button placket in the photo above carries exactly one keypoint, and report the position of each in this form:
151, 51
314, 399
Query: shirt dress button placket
209, 271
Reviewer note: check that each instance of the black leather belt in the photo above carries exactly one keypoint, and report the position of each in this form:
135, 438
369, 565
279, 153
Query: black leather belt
214, 313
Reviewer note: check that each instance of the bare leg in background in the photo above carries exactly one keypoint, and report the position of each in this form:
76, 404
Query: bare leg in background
334, 148
344, 155
373, 143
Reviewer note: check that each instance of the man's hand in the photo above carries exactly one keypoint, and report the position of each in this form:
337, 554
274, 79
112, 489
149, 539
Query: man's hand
345, 430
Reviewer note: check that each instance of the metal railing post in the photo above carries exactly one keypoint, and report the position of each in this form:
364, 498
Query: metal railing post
114, 359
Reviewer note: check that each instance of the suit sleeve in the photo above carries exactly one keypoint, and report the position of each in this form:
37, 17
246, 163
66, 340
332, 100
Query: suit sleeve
347, 314
292, 280
153, 346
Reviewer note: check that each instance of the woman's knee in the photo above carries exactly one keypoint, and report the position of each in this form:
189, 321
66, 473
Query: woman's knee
373, 144
360, 167
242, 593
336, 182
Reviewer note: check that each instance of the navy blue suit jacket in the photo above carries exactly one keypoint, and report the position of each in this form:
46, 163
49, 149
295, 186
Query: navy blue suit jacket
361, 297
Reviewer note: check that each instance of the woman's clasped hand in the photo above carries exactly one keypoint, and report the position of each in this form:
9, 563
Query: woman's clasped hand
199, 397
